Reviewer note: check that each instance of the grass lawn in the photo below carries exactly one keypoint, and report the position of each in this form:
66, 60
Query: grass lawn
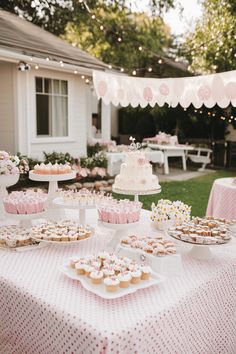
194, 192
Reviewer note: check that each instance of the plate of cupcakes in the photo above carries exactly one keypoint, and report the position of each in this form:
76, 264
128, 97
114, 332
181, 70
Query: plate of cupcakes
109, 275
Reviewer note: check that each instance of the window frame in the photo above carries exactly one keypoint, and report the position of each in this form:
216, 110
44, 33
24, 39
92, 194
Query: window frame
37, 139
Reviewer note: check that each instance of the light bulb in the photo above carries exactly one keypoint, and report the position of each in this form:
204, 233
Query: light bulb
140, 48
36, 67
160, 61
93, 17
134, 72
122, 70
119, 39
110, 66
82, 77
101, 27
150, 69
75, 72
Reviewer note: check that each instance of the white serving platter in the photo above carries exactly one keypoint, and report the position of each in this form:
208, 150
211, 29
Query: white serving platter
64, 243
170, 264
24, 248
100, 289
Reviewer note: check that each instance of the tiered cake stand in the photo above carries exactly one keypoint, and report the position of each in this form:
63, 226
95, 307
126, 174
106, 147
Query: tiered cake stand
136, 193
52, 179
120, 231
6, 181
81, 208
25, 220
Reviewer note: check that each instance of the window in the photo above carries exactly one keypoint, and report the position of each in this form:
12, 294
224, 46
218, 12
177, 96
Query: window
51, 107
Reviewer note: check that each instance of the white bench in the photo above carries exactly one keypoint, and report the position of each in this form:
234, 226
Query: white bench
202, 156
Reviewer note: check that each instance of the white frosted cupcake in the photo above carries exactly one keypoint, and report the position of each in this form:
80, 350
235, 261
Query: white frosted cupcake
96, 276
80, 268
146, 272
108, 272
136, 276
111, 283
73, 261
124, 279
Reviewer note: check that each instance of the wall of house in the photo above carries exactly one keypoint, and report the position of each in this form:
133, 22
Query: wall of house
7, 107
78, 115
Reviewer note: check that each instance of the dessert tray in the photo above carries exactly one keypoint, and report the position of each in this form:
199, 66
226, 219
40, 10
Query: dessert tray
17, 238
63, 232
100, 290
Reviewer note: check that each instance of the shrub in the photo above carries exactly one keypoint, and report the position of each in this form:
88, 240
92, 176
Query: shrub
59, 157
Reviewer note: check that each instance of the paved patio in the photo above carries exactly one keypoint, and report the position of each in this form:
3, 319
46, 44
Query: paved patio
177, 174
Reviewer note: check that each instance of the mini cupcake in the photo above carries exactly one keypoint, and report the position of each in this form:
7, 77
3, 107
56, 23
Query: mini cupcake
124, 279
73, 261
111, 283
146, 272
136, 276
96, 276
108, 272
80, 268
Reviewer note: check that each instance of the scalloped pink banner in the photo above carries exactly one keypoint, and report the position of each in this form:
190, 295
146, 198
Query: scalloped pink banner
209, 90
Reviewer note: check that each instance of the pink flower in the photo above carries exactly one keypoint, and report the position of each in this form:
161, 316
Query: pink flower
83, 172
4, 155
102, 172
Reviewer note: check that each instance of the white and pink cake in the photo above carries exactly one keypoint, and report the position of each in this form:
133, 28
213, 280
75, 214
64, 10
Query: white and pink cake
52, 169
136, 174
28, 202
119, 211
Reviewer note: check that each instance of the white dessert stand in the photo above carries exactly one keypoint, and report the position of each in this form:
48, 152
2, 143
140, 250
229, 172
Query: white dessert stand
52, 179
6, 181
136, 193
81, 208
25, 220
199, 251
120, 231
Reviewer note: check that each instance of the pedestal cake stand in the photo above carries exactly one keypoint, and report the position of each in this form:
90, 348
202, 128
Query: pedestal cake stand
52, 179
120, 231
81, 208
136, 193
25, 220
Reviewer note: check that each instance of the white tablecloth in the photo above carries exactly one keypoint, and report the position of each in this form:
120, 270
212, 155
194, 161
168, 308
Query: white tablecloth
42, 311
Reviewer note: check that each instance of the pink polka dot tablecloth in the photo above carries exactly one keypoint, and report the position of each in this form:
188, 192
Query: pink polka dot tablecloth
222, 200
44, 312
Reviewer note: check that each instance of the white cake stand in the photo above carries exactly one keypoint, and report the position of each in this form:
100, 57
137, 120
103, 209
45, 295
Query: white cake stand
6, 181
120, 231
81, 208
136, 193
25, 220
52, 179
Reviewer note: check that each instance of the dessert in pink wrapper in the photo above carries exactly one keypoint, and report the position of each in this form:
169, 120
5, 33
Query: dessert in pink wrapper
28, 202
119, 211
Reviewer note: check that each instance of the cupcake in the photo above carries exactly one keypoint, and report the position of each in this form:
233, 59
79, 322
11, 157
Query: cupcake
80, 268
136, 276
73, 261
111, 283
96, 276
146, 272
108, 272
124, 279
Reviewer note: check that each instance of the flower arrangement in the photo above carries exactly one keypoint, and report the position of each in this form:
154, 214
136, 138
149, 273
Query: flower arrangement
171, 213
8, 164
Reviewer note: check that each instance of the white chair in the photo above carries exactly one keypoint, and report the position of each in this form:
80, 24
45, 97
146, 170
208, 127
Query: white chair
202, 156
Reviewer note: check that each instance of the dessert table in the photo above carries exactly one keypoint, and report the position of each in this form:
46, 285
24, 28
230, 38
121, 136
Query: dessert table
172, 151
43, 311
116, 158
222, 200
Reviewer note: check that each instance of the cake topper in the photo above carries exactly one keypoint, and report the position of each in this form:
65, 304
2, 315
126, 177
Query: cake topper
133, 145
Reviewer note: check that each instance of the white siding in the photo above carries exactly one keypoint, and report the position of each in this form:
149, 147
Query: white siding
78, 113
7, 114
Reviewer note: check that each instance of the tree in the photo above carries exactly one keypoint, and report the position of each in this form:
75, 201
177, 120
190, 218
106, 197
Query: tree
53, 15
211, 47
120, 38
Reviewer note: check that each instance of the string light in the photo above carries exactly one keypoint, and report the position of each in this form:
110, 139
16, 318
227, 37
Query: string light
150, 69
93, 17
87, 81
82, 77
122, 70
134, 72
36, 67
61, 63
47, 59
140, 48
101, 27
110, 66
119, 39
160, 61
75, 72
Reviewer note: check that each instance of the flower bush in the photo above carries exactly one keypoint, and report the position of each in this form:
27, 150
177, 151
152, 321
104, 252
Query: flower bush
8, 164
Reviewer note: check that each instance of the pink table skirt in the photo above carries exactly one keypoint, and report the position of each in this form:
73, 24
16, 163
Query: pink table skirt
44, 312
222, 200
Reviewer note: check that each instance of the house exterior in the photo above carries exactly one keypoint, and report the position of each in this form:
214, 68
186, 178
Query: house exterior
49, 107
